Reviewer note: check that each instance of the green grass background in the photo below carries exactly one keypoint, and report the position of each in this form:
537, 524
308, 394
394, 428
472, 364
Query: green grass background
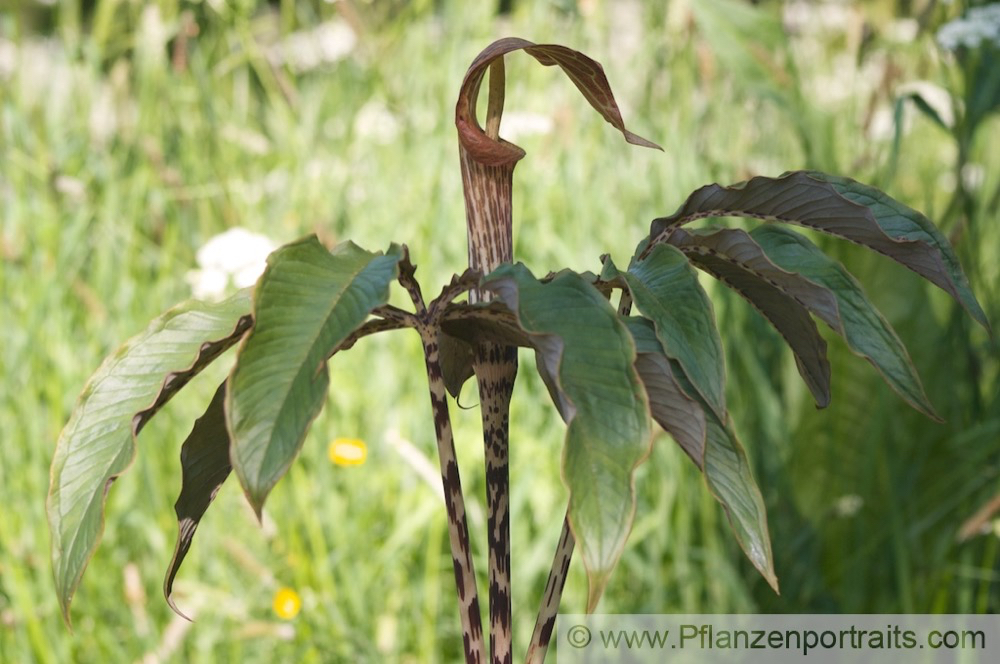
97, 232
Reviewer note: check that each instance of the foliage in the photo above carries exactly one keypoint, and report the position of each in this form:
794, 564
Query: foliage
311, 303
866, 497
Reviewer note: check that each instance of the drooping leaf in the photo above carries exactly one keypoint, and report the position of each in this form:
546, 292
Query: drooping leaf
665, 288
782, 297
307, 302
680, 415
204, 467
483, 322
643, 333
737, 246
587, 355
98, 442
729, 478
838, 206
720, 455
586, 74
456, 357
904, 224
864, 328
921, 102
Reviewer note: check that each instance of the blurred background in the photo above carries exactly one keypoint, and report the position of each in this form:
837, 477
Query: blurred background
132, 133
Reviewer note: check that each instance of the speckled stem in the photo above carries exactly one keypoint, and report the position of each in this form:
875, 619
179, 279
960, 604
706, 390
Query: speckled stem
488, 205
427, 325
458, 529
549, 608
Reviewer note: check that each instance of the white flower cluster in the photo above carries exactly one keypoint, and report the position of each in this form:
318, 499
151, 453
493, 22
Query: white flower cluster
805, 17
306, 50
375, 121
980, 25
234, 258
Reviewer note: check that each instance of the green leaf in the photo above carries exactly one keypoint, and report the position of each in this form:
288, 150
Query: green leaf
665, 288
785, 299
729, 478
643, 335
905, 225
680, 415
204, 467
864, 328
721, 457
307, 302
98, 442
587, 356
838, 206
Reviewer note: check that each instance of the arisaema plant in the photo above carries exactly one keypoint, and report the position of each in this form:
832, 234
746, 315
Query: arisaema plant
617, 348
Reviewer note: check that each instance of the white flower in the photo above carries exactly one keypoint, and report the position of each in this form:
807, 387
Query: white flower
805, 17
8, 58
305, 50
848, 505
152, 37
979, 25
903, 30
882, 126
516, 124
236, 257
375, 121
335, 40
846, 80
973, 176
208, 283
103, 118
71, 187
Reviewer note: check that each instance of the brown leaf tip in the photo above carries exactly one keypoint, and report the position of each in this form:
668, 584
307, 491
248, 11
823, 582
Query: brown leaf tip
586, 73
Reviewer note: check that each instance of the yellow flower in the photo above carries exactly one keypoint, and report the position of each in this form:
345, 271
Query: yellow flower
286, 603
348, 452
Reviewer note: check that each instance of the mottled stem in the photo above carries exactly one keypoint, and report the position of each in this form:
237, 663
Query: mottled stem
549, 608
458, 528
488, 205
496, 367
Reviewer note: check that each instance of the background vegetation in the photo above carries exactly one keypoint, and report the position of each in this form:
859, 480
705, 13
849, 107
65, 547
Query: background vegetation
132, 132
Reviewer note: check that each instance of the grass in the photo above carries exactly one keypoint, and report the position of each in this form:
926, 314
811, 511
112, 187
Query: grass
100, 226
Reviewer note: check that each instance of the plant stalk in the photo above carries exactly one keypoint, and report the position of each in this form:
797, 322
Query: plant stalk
458, 527
488, 206
549, 608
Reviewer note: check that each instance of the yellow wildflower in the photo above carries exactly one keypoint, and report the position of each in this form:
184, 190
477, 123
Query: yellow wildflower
286, 603
348, 452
